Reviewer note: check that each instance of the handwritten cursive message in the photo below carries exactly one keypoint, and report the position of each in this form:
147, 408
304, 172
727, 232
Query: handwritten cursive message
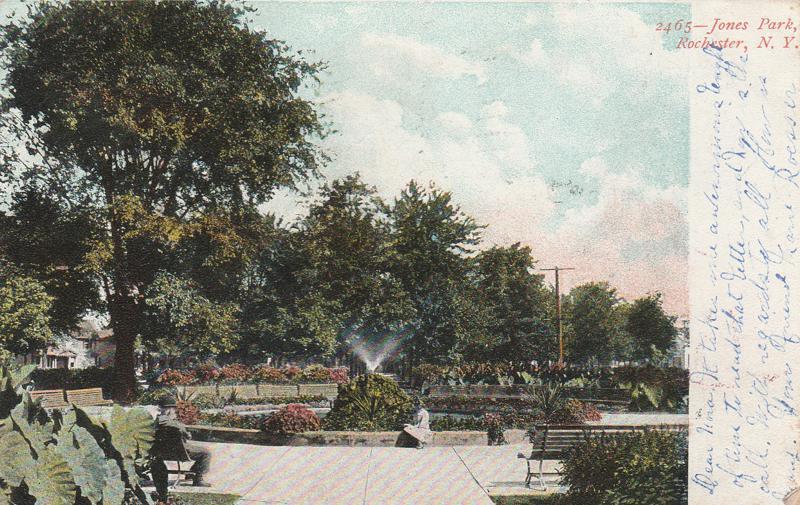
745, 345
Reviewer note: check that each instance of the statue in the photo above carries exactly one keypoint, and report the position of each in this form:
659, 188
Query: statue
421, 429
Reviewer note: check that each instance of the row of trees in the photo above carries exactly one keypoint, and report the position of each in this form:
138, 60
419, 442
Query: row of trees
134, 172
352, 268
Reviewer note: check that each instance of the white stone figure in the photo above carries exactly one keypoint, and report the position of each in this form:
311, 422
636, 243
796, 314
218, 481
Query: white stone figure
421, 429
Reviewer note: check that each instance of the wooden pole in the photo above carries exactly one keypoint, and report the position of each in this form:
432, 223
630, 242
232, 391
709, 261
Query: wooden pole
558, 315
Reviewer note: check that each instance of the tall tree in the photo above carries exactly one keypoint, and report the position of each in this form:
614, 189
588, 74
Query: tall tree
330, 272
24, 314
520, 325
429, 238
593, 328
652, 331
175, 108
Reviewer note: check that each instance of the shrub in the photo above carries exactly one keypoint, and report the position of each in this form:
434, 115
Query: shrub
314, 374
647, 467
338, 375
171, 377
206, 373
187, 412
494, 424
231, 420
291, 372
268, 374
369, 403
209, 401
293, 418
236, 373
654, 388
450, 423
153, 396
76, 378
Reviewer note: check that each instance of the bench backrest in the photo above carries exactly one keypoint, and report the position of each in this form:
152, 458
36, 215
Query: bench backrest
168, 445
89, 396
50, 397
560, 438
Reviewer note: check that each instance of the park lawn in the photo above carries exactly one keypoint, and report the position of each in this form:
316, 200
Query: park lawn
205, 498
526, 499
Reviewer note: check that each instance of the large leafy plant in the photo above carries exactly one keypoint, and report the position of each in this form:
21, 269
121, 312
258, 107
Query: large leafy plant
646, 467
69, 458
369, 403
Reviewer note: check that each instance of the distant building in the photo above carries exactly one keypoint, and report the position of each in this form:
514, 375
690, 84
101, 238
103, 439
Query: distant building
88, 346
680, 348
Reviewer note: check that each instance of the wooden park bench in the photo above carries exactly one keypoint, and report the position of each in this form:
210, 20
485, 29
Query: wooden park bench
51, 398
555, 441
169, 447
87, 397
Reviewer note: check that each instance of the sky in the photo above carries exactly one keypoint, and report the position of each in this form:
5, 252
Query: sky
562, 127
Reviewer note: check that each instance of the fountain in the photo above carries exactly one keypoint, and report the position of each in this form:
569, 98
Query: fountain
374, 351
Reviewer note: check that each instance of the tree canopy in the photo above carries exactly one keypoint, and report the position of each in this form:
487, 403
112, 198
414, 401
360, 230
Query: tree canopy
148, 114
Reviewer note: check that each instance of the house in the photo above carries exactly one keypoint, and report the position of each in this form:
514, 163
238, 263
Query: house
89, 345
680, 347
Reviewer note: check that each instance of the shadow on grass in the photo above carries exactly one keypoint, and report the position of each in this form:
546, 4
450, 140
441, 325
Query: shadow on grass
551, 499
204, 498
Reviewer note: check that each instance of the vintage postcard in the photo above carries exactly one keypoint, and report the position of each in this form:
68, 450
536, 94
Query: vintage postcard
399, 253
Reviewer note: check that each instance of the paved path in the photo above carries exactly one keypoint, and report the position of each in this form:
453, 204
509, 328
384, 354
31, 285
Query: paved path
462, 475
366, 475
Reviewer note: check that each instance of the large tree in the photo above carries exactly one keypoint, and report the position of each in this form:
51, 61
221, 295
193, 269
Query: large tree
594, 329
429, 239
652, 331
24, 314
520, 309
173, 109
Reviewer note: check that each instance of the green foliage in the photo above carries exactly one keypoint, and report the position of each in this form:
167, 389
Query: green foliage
171, 147
74, 378
651, 329
521, 311
292, 418
646, 467
185, 321
369, 403
48, 240
24, 313
594, 330
56, 459
654, 388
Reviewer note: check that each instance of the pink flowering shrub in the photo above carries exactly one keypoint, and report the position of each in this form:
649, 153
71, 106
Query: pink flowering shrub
292, 418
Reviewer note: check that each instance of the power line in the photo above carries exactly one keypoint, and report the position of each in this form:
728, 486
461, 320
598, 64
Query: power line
558, 313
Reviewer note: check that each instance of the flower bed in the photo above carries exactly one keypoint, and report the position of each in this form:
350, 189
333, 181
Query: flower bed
245, 374
573, 411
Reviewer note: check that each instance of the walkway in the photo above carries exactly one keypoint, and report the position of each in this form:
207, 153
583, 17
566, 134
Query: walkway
366, 475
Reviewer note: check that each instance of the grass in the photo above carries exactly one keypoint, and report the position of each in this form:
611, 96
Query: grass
204, 498
528, 499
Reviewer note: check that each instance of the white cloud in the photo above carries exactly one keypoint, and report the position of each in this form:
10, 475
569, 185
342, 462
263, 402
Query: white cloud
634, 51
486, 163
534, 55
635, 236
532, 18
394, 55
454, 121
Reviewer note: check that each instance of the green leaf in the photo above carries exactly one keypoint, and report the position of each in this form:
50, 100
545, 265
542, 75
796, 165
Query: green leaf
114, 489
16, 458
79, 448
21, 375
132, 432
50, 480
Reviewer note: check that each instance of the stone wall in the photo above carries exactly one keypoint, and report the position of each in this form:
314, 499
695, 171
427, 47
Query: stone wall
342, 438
246, 391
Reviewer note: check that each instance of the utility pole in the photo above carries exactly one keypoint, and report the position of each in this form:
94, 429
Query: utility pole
558, 315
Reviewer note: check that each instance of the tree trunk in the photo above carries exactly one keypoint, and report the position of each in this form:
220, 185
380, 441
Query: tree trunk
122, 322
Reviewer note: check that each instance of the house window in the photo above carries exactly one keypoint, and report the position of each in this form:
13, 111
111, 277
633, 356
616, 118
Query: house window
86, 344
